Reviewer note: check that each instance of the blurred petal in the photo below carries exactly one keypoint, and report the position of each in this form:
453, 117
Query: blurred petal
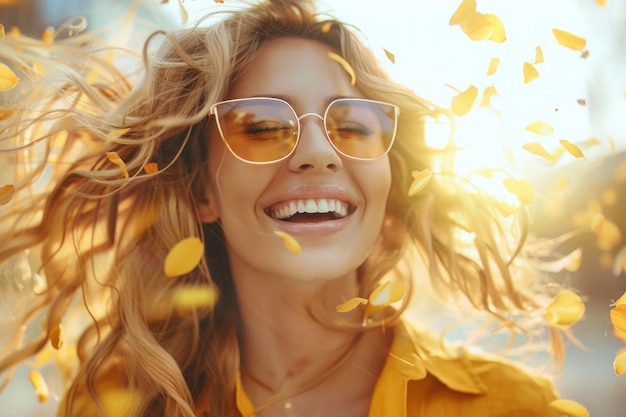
608, 234
183, 257
351, 304
487, 94
537, 149
56, 336
530, 72
463, 102
569, 408
569, 40
183, 11
48, 35
115, 158
571, 148
505, 208
600, 2
540, 127
463, 12
151, 168
6, 193
8, 79
391, 57
345, 65
388, 293
565, 310
620, 364
41, 388
618, 319
194, 297
523, 189
289, 242
327, 27
570, 262
493, 66
538, 55
420, 180
619, 263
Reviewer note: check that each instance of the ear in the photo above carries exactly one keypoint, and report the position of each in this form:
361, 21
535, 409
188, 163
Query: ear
208, 212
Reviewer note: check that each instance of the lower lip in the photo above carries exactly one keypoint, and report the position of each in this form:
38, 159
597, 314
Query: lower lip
312, 229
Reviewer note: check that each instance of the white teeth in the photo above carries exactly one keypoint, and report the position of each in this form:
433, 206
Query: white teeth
311, 206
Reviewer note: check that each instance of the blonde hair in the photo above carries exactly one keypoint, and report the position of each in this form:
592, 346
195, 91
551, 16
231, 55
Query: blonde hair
104, 237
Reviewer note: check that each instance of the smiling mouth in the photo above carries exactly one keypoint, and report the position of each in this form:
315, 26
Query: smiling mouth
309, 210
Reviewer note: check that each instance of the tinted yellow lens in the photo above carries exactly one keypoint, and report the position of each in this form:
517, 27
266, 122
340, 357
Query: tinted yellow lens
258, 130
361, 128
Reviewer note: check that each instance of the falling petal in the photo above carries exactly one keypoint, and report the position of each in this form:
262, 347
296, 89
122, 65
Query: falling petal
493, 66
569, 40
391, 57
388, 293
420, 181
351, 304
327, 27
8, 79
622, 301
569, 408
570, 262
608, 234
6, 193
592, 142
38, 68
608, 197
41, 388
620, 364
56, 337
505, 208
151, 168
487, 94
115, 158
571, 148
1, 32
537, 149
345, 65
619, 262
581, 101
183, 257
478, 27
183, 11
48, 35
538, 55
463, 12
540, 127
194, 297
463, 102
530, 72
565, 310
600, 2
561, 183
498, 34
289, 242
523, 189
618, 319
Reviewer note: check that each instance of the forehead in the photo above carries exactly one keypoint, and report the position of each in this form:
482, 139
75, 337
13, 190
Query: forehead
298, 68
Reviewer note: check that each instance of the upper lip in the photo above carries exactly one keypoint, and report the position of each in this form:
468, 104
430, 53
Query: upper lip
315, 192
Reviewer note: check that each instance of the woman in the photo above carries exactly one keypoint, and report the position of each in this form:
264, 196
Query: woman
273, 136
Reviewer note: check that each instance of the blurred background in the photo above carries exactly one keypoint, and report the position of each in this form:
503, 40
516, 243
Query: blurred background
581, 94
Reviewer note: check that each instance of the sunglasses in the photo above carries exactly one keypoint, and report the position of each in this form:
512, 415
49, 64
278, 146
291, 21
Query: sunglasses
263, 130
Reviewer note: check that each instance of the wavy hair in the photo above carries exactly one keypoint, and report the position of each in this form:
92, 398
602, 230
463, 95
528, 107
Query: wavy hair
100, 237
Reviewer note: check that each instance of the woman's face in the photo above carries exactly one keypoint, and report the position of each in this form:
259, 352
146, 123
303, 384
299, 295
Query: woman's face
252, 201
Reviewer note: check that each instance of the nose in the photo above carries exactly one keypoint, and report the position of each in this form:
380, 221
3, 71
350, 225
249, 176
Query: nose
314, 151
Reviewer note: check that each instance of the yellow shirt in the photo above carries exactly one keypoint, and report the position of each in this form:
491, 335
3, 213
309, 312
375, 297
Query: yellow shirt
421, 379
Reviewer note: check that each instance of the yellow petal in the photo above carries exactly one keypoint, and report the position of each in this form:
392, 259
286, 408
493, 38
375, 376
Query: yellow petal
8, 79
561, 183
56, 336
619, 263
608, 197
498, 34
505, 208
183, 11
151, 168
530, 72
345, 65
537, 149
487, 94
571, 148
420, 181
592, 142
193, 297
183, 257
538, 55
608, 234
569, 408
621, 301
48, 35
391, 57
620, 364
565, 310
463, 12
478, 27
118, 402
351, 304
540, 127
618, 319
115, 158
523, 189
327, 27
289, 242
6, 193
569, 40
388, 293
600, 2
41, 388
493, 66
463, 102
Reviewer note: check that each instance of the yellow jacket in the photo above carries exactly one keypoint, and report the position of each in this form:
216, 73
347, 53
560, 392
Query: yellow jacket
423, 379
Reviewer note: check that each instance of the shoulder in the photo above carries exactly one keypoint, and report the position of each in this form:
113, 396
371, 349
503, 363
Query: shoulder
463, 381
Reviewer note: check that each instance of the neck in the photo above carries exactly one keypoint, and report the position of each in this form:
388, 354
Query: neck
286, 353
